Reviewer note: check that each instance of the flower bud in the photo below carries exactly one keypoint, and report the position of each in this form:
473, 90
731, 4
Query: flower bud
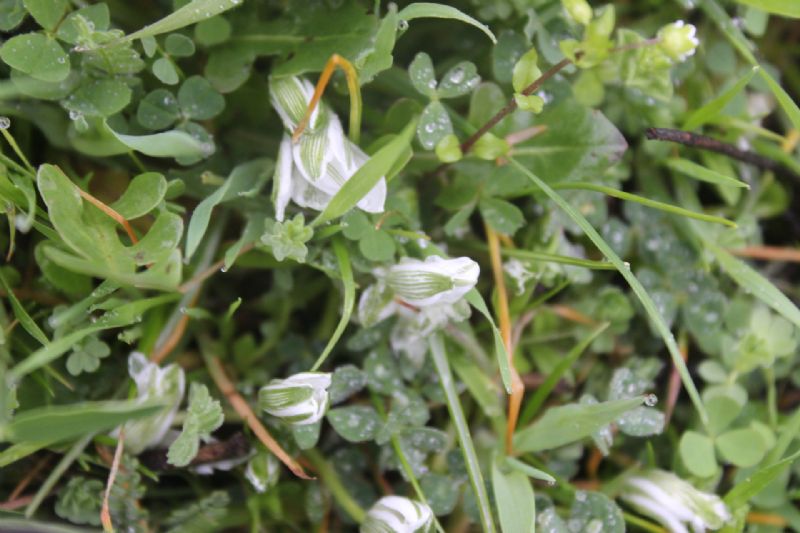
435, 281
263, 470
299, 399
396, 514
678, 40
579, 10
673, 502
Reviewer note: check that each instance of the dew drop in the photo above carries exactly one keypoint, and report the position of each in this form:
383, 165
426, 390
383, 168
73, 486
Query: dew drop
183, 310
402, 25
650, 400
5, 123
223, 270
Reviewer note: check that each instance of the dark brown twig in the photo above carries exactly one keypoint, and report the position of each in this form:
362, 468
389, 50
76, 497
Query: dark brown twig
703, 142
467, 145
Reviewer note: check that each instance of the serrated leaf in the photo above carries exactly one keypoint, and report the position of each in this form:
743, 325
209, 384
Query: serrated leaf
203, 416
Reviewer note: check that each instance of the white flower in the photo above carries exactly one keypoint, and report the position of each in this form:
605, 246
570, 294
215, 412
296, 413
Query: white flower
678, 40
299, 399
674, 502
396, 514
153, 383
312, 170
435, 281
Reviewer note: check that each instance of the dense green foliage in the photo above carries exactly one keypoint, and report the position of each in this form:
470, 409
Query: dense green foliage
211, 297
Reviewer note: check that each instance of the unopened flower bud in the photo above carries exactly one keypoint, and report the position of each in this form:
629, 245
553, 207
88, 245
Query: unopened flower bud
299, 399
396, 514
678, 40
435, 281
579, 10
263, 470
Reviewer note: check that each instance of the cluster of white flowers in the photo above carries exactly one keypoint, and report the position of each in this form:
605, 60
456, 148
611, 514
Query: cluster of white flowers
311, 171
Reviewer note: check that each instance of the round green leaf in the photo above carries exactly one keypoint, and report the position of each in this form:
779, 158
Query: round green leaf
441, 491
377, 246
742, 447
357, 423
213, 31
179, 45
422, 75
164, 70
11, 14
697, 454
158, 110
434, 125
502, 216
99, 98
526, 70
459, 80
37, 55
43, 90
199, 100
47, 13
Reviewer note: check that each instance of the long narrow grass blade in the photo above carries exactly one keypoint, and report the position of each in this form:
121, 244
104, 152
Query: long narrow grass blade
462, 430
636, 286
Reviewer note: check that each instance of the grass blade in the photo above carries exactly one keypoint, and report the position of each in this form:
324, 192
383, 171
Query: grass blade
462, 430
750, 280
191, 13
741, 493
636, 286
701, 173
710, 110
430, 10
476, 300
655, 204
516, 505
544, 390
570, 423
343, 258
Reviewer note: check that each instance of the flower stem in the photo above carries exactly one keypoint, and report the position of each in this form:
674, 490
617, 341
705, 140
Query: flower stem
504, 322
331, 480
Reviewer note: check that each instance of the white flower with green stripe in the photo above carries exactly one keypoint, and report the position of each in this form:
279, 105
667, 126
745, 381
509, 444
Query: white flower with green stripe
434, 281
299, 399
396, 514
673, 502
153, 383
311, 171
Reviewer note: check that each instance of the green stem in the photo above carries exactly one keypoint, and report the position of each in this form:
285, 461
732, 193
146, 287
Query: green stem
622, 195
772, 401
642, 523
549, 258
639, 290
15, 147
56, 474
331, 479
409, 471
462, 430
